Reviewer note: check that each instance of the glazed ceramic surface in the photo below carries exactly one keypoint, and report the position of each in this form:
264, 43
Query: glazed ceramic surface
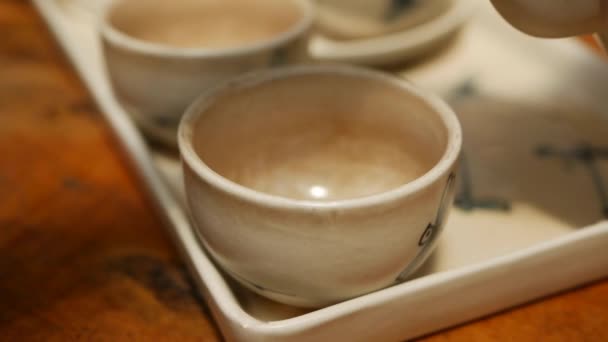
352, 19
315, 184
156, 70
421, 28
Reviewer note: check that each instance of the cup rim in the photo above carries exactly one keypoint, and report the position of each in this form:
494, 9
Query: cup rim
223, 184
116, 37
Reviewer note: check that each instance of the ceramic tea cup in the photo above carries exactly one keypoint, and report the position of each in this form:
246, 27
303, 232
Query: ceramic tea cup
314, 184
160, 55
353, 19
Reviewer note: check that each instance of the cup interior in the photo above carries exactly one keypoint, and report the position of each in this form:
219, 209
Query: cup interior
319, 136
212, 24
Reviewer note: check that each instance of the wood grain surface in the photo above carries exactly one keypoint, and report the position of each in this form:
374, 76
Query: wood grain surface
84, 257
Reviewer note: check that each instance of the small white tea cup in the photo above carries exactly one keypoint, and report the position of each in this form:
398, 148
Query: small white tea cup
160, 55
356, 19
314, 184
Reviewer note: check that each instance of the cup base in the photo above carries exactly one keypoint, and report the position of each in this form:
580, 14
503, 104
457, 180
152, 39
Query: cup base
284, 298
164, 133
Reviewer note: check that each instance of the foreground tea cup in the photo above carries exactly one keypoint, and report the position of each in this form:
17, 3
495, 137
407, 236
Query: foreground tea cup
314, 184
160, 55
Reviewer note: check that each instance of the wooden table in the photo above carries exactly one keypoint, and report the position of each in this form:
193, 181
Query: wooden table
84, 257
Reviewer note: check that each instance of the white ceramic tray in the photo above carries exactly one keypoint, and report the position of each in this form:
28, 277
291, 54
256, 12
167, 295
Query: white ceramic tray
526, 106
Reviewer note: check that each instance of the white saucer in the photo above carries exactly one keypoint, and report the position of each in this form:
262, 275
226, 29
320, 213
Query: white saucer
394, 47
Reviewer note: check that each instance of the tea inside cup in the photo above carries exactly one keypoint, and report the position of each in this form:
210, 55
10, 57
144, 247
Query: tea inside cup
318, 138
